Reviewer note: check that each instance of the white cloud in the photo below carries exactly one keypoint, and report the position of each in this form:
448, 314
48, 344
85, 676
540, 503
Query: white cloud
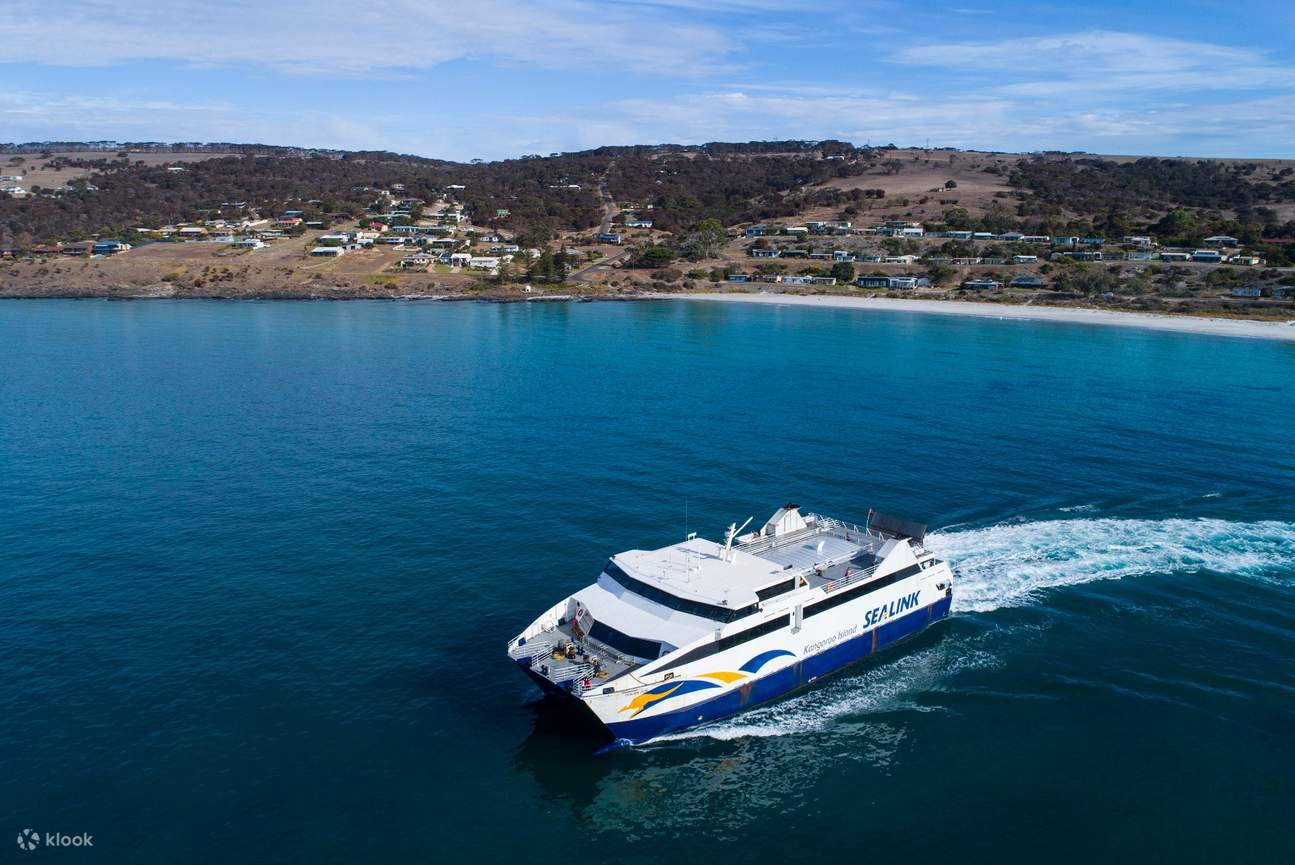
1104, 62
342, 38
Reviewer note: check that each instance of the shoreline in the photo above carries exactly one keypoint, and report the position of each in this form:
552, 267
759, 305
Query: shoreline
1280, 330
1233, 327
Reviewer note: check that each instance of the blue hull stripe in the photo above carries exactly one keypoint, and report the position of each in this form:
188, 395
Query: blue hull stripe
785, 680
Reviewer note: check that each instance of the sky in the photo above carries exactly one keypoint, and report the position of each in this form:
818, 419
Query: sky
494, 79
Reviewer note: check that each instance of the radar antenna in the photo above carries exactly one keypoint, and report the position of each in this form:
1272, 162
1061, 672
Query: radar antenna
732, 533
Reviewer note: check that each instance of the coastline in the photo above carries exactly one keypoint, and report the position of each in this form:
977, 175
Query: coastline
1280, 330
1233, 327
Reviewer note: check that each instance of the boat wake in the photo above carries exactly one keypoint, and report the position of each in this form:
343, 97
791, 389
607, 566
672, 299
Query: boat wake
1014, 565
1011, 565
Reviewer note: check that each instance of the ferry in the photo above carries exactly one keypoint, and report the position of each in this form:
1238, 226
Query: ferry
696, 631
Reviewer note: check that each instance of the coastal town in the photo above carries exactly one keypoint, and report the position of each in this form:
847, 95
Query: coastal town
391, 242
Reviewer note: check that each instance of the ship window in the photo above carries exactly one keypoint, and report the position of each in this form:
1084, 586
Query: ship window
622, 642
723, 643
836, 599
696, 608
775, 590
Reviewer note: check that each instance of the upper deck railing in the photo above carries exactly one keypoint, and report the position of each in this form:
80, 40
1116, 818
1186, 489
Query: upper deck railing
818, 525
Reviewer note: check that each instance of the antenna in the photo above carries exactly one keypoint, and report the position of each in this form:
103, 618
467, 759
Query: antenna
732, 533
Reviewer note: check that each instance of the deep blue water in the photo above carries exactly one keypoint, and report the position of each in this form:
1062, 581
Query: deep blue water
259, 561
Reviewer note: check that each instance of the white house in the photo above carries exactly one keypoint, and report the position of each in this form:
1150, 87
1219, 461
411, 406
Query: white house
327, 252
248, 243
484, 262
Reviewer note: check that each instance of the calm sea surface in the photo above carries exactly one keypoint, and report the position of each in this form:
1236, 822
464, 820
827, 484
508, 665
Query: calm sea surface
259, 562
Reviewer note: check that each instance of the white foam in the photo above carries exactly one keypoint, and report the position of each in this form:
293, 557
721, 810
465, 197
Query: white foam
1010, 565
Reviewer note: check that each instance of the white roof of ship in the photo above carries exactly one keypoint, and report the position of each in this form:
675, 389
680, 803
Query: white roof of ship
694, 569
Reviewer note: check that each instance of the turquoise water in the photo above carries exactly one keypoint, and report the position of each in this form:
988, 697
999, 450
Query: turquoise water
259, 561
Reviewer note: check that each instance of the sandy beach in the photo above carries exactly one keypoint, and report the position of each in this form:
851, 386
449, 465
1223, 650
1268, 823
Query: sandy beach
1177, 323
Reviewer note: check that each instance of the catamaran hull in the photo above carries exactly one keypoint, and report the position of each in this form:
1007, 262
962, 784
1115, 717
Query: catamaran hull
781, 682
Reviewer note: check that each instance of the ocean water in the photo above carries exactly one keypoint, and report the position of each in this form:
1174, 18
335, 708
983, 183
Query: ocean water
259, 562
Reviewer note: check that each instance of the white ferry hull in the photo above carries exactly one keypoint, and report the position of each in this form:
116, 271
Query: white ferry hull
701, 699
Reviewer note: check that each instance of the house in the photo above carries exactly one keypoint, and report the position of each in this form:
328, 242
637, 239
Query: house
327, 252
1024, 259
796, 230
1175, 256
1035, 238
1012, 236
190, 232
823, 280
417, 261
609, 237
738, 277
1066, 240
1221, 240
898, 259
1141, 255
484, 262
638, 223
912, 231
765, 252
460, 259
842, 255
982, 284
248, 243
108, 247
960, 235
1092, 241
983, 235
756, 231
1247, 291
1138, 240
1246, 260
77, 248
332, 240
899, 282
1026, 280
1207, 256
292, 214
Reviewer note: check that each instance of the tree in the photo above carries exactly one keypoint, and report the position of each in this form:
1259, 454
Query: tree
705, 240
843, 271
958, 219
941, 274
950, 184
656, 256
